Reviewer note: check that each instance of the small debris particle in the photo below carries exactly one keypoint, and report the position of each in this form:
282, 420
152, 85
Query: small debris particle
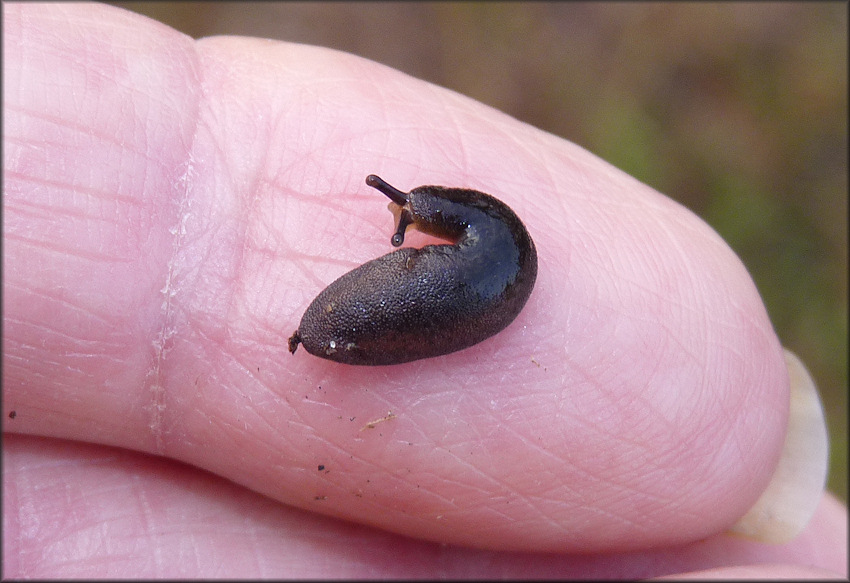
371, 424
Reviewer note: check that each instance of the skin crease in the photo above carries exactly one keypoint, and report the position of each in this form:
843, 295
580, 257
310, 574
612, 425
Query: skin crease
171, 207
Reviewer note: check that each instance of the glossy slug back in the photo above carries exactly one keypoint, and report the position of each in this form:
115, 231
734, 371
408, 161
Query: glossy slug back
419, 303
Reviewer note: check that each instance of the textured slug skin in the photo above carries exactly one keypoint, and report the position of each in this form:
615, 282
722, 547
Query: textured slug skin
419, 303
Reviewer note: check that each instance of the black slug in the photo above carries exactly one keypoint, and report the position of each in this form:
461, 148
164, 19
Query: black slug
419, 303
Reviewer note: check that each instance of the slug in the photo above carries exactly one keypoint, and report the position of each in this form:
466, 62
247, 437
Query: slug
420, 303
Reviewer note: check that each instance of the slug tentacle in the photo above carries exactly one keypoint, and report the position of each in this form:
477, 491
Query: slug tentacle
403, 220
394, 194
420, 303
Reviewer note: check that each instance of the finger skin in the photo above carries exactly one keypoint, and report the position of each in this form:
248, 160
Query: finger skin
92, 511
171, 207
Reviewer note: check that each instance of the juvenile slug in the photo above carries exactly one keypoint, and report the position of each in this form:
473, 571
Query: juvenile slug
419, 303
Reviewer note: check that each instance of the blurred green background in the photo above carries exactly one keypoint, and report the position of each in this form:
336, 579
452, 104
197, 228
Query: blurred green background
738, 111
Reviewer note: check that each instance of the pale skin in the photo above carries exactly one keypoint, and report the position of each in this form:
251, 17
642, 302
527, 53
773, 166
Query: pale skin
170, 209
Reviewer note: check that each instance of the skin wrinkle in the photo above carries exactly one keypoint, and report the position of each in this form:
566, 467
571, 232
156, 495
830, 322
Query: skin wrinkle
226, 428
612, 519
614, 489
147, 518
249, 531
644, 445
118, 77
390, 477
659, 291
466, 484
58, 249
503, 485
291, 170
23, 146
722, 439
455, 126
387, 480
34, 212
20, 503
183, 187
680, 345
529, 442
331, 242
381, 92
654, 505
194, 558
663, 503
541, 506
161, 344
56, 185
593, 427
53, 332
713, 458
656, 417
540, 206
526, 521
742, 404
65, 526
424, 132
741, 312
78, 129
56, 364
303, 168
337, 451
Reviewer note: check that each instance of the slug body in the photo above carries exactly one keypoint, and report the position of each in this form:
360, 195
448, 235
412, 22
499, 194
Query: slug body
419, 303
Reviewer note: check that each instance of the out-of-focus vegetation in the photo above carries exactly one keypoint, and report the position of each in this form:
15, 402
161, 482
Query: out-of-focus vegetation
738, 111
